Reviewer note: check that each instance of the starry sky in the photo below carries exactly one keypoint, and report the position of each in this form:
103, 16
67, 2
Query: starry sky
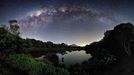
70, 21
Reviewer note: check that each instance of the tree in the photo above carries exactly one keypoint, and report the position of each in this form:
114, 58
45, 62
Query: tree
9, 42
14, 27
119, 39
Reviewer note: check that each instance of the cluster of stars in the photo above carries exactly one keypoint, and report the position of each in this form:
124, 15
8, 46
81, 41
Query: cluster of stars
43, 15
62, 15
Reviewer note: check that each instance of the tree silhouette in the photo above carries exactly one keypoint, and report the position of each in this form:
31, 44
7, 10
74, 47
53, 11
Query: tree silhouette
14, 27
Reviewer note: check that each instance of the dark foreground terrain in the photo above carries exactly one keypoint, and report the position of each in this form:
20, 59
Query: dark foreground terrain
113, 55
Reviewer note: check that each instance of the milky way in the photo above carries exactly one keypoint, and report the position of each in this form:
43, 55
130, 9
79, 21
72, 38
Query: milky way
72, 20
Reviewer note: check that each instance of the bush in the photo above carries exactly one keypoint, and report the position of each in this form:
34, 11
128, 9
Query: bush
33, 67
9, 42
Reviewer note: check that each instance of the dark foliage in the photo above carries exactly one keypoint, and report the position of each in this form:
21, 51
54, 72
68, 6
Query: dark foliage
9, 42
32, 67
116, 45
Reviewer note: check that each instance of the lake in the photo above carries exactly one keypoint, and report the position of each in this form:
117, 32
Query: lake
73, 57
66, 57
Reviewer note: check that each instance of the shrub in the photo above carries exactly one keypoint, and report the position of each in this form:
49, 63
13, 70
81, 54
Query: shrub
33, 67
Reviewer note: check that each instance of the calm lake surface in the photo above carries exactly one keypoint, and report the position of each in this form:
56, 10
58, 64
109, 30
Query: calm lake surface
73, 57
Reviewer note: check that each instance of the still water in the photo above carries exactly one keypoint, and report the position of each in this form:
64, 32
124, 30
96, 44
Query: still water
73, 57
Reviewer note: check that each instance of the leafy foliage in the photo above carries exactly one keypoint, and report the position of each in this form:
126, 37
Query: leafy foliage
33, 67
118, 42
32, 43
116, 45
8, 41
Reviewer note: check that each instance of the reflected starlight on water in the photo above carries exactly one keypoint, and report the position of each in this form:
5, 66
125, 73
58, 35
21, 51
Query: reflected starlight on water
73, 57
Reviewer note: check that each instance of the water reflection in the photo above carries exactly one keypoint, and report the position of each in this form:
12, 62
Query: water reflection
74, 57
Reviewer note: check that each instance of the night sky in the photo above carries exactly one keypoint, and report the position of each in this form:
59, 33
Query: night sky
70, 21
